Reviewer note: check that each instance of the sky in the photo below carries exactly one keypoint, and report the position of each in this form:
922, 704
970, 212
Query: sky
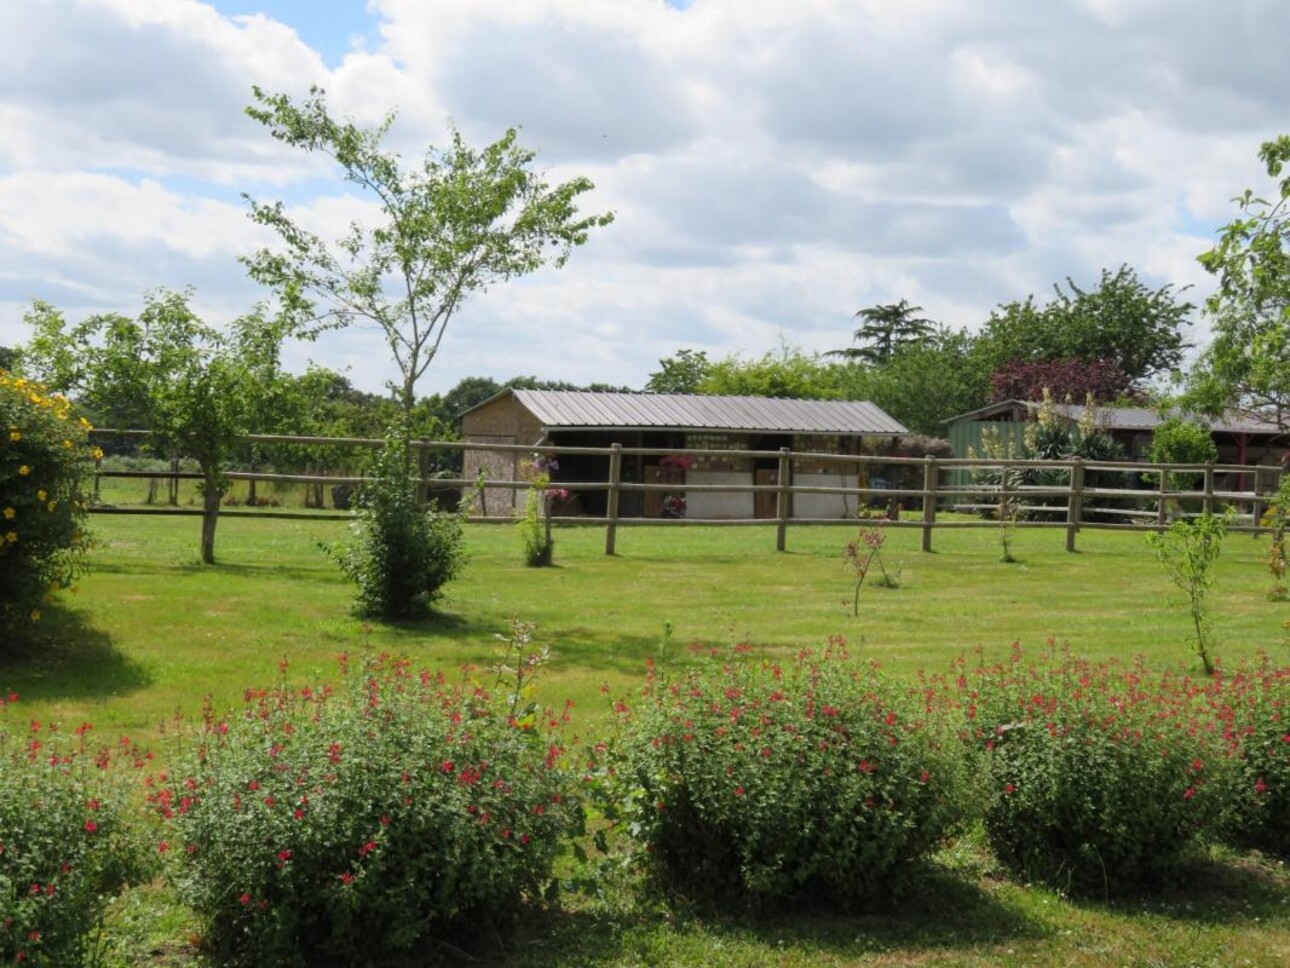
773, 165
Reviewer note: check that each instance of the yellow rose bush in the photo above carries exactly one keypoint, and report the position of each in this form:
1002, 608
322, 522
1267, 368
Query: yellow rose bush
44, 463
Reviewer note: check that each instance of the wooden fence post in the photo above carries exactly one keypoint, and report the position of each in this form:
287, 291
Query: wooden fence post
611, 512
172, 483
1256, 511
1209, 487
1161, 508
782, 499
1075, 504
931, 477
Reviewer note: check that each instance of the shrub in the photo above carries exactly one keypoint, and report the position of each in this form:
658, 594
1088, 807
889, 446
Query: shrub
355, 822
808, 781
1253, 705
66, 841
535, 520
1099, 775
402, 554
43, 469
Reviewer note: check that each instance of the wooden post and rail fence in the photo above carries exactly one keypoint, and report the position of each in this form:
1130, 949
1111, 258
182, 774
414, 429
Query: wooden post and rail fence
993, 492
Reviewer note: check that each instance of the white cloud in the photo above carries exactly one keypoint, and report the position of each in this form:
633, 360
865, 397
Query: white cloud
773, 165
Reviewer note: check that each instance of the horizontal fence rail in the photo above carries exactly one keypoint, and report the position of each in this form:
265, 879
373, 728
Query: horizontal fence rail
1068, 495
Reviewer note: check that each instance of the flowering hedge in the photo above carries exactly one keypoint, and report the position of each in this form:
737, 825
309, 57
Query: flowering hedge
68, 839
43, 467
1253, 706
354, 822
806, 779
1100, 776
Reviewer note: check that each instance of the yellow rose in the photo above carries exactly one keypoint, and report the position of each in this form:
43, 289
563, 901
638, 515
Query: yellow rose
51, 505
11, 537
41, 495
9, 513
24, 470
35, 615
15, 435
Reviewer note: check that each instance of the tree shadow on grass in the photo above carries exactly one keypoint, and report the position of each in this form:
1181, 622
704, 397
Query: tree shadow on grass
572, 645
1222, 888
66, 658
943, 912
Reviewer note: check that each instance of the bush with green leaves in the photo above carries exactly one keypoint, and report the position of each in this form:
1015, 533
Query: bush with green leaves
1253, 705
1100, 776
68, 839
810, 779
44, 466
356, 822
402, 553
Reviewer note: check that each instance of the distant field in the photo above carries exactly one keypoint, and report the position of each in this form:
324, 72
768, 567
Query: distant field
151, 631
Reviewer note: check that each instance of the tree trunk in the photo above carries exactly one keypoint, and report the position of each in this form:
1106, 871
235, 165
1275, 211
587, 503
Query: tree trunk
211, 494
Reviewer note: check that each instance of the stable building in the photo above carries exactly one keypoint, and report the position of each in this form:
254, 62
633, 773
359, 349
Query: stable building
667, 421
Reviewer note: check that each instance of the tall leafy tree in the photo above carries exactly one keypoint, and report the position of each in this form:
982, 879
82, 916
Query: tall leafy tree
1247, 366
887, 328
1122, 322
461, 221
196, 388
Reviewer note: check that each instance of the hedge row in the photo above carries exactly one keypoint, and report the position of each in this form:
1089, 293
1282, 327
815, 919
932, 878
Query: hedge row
351, 822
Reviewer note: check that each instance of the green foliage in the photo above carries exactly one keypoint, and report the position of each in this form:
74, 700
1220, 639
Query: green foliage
1253, 704
194, 387
462, 220
683, 373
807, 780
68, 840
355, 823
1181, 441
1187, 552
922, 384
402, 554
44, 470
1248, 364
886, 329
1098, 776
789, 374
1122, 322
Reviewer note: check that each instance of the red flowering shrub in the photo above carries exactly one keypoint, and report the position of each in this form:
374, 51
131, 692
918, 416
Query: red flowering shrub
808, 780
1253, 705
66, 843
354, 822
1100, 776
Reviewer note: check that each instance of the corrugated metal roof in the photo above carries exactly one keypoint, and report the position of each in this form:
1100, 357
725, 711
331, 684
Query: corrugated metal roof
567, 409
1130, 418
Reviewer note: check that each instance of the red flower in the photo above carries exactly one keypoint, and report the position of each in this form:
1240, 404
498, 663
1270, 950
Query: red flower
739, 791
91, 826
1009, 788
245, 898
1189, 793
347, 878
1260, 786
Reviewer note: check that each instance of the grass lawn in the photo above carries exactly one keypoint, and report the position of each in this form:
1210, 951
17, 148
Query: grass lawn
151, 632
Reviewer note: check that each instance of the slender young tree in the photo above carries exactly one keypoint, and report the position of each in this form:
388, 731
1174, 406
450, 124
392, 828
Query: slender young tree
461, 221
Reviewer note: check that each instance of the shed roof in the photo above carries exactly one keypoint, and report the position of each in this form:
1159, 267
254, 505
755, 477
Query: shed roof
1128, 418
586, 410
